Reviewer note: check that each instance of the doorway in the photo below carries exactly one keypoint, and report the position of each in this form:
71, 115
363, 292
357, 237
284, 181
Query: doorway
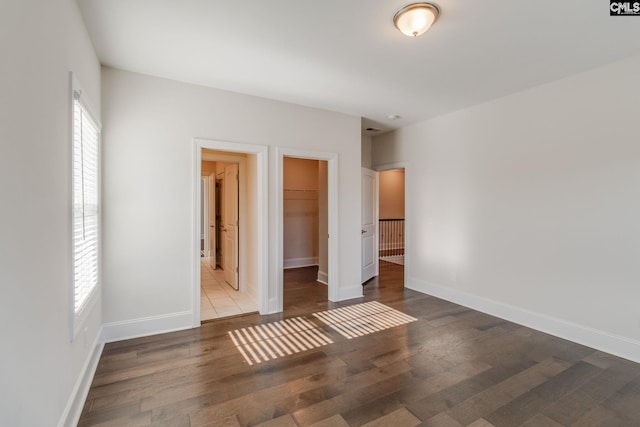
393, 229
220, 294
333, 238
236, 267
305, 230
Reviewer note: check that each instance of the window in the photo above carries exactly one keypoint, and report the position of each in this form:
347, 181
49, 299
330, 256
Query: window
86, 207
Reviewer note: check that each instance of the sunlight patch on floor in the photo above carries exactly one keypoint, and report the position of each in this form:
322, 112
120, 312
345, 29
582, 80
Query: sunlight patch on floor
362, 319
269, 341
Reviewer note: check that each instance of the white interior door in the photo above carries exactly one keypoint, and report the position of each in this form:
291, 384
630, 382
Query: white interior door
212, 221
369, 230
230, 251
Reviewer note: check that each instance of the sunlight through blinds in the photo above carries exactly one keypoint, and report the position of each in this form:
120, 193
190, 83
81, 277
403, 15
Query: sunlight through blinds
85, 203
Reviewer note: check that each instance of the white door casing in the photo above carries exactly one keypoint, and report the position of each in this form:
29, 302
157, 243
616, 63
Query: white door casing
212, 221
204, 192
220, 256
230, 252
369, 231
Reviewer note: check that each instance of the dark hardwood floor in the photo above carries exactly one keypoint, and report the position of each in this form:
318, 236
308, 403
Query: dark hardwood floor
452, 367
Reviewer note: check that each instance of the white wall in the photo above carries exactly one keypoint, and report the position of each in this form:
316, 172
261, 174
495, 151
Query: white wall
529, 205
143, 115
366, 151
40, 43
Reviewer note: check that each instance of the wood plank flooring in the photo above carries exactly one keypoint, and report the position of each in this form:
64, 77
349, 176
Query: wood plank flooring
452, 367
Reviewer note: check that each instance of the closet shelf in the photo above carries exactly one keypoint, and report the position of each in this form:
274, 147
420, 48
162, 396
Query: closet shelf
300, 191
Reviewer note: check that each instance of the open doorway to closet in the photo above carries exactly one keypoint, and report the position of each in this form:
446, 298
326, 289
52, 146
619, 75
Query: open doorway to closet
305, 230
333, 233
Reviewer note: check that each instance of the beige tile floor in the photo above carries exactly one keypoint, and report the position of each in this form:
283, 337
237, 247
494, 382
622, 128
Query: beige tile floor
217, 298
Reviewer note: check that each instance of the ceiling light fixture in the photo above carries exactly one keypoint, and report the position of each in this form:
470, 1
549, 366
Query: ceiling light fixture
416, 18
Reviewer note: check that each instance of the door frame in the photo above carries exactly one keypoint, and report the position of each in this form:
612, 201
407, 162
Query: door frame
204, 181
211, 179
262, 231
408, 223
332, 217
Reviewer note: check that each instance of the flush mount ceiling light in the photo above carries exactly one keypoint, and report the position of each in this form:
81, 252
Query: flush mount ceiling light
416, 18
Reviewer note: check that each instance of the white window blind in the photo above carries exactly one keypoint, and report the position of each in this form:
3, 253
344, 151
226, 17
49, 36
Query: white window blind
86, 224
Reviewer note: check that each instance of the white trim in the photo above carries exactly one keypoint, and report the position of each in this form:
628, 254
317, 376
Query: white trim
350, 292
145, 326
204, 232
262, 177
323, 277
332, 207
75, 404
408, 221
581, 334
300, 262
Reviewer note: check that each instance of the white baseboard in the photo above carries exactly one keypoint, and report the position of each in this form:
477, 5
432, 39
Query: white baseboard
300, 262
323, 277
75, 404
581, 334
123, 330
273, 306
350, 293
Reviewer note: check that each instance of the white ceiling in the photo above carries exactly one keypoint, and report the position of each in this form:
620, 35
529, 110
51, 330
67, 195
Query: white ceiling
346, 55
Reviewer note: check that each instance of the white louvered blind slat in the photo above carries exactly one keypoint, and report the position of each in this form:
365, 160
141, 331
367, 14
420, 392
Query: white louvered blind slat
85, 205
